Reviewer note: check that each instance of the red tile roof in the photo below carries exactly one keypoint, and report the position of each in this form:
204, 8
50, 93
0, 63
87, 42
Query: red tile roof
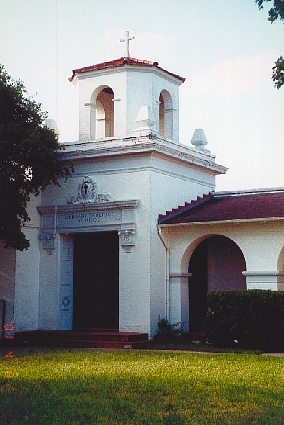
122, 62
228, 206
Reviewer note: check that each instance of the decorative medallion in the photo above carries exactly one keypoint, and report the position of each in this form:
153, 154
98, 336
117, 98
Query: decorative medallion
87, 193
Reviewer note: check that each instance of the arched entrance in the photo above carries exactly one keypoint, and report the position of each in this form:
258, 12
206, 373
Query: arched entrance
216, 264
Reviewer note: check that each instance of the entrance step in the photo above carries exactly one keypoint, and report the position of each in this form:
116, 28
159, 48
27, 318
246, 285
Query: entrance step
82, 338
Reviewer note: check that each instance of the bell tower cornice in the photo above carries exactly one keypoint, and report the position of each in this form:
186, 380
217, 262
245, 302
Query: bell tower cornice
150, 144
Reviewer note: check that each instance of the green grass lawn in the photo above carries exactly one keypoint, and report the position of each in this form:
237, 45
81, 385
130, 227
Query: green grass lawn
139, 387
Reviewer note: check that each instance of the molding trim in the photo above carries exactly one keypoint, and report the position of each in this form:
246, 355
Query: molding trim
142, 144
263, 273
221, 222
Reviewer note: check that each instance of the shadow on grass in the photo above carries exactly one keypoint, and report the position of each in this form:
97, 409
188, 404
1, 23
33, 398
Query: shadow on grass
134, 400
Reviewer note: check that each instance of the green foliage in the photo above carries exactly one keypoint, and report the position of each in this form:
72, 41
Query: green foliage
140, 388
248, 319
276, 12
167, 331
278, 72
29, 158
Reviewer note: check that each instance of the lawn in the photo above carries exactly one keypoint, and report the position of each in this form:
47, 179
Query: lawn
141, 387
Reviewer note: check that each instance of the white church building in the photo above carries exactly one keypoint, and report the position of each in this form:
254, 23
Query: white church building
138, 232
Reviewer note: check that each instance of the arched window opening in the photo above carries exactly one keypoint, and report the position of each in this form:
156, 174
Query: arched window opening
102, 113
216, 264
165, 115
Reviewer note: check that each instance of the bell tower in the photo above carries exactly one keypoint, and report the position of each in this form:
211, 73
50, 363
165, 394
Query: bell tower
127, 97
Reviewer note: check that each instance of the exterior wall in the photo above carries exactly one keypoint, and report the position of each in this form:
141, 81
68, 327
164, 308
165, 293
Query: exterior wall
7, 281
49, 288
172, 184
27, 275
144, 88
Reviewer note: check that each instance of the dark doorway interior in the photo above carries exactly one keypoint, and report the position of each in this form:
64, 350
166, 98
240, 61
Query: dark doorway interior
216, 265
96, 280
198, 288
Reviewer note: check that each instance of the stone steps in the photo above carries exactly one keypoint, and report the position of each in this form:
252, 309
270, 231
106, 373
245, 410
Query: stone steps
80, 338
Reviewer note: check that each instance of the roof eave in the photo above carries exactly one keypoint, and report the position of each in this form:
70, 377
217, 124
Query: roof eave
235, 220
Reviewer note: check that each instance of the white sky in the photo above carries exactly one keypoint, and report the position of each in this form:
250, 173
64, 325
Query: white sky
224, 48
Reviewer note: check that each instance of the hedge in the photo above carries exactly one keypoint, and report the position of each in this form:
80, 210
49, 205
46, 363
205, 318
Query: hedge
252, 319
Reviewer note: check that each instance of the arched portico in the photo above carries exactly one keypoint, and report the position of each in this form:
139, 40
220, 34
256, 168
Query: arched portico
206, 262
217, 263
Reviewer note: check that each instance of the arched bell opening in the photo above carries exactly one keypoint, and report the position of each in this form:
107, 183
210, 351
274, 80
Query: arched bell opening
165, 115
102, 113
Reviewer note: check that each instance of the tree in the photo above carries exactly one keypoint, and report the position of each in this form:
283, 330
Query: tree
274, 13
29, 158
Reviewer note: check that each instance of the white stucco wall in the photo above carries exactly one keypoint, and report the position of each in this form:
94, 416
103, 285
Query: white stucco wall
27, 274
172, 184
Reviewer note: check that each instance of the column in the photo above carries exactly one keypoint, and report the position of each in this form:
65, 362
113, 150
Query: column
178, 299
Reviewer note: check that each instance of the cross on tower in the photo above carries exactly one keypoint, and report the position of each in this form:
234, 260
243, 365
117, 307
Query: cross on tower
126, 39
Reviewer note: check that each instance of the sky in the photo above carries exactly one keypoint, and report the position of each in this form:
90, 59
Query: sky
224, 48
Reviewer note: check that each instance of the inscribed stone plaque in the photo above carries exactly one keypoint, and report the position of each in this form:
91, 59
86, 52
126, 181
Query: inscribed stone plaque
83, 219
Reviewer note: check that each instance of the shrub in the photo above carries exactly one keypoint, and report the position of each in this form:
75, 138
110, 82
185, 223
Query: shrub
168, 332
248, 319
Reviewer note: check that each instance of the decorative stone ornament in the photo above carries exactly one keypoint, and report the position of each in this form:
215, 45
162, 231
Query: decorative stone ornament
87, 193
127, 239
199, 139
48, 242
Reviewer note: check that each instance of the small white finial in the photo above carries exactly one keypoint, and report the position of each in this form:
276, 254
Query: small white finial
199, 139
51, 124
126, 39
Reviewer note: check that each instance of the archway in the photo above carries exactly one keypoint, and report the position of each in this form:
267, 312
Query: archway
102, 113
216, 264
165, 115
